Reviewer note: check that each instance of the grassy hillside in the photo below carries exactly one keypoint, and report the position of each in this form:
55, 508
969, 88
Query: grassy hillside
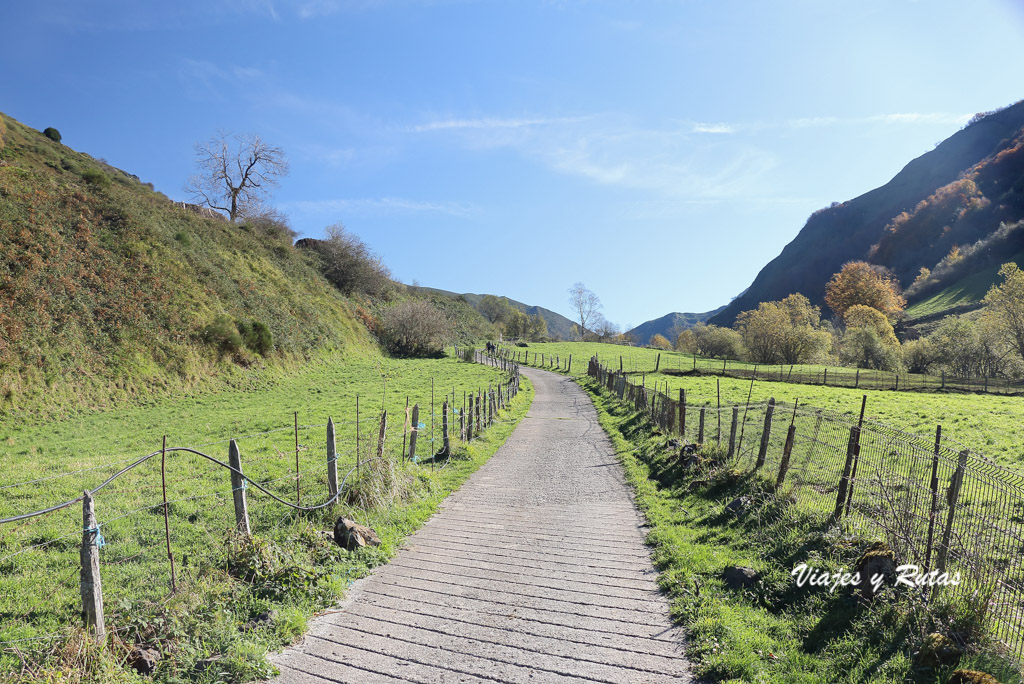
969, 290
559, 327
669, 325
109, 292
956, 194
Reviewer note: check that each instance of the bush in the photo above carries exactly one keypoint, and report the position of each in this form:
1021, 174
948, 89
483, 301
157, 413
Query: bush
223, 334
96, 178
414, 328
52, 133
256, 336
350, 266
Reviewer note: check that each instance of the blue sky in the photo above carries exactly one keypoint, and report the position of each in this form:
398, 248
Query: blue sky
660, 152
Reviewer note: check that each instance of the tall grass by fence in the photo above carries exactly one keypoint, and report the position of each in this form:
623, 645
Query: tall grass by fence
152, 522
938, 504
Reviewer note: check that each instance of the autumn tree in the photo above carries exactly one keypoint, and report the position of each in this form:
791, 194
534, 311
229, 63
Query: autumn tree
585, 303
686, 342
235, 173
787, 331
1005, 305
862, 283
659, 341
717, 342
860, 316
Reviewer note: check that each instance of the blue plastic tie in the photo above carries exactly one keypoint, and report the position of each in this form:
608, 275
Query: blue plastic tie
99, 541
421, 426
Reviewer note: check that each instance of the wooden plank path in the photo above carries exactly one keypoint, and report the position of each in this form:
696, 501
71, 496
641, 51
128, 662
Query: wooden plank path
534, 571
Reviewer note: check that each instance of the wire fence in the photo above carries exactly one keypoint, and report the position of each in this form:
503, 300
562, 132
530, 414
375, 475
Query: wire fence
830, 376
938, 504
155, 522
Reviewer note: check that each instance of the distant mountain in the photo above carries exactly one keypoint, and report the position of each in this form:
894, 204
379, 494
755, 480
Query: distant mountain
559, 327
942, 212
669, 325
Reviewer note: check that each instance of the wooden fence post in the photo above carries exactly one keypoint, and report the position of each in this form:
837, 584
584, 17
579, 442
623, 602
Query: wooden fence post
682, 413
414, 432
952, 496
700, 428
468, 417
786, 452
934, 486
238, 488
657, 364
569, 369
844, 480
382, 433
332, 460
479, 400
446, 445
90, 584
732, 432
766, 433
856, 385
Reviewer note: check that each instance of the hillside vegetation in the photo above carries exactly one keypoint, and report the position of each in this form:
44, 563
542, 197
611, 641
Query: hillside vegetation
111, 292
947, 204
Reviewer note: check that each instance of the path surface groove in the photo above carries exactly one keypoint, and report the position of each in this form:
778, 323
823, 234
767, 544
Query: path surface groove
535, 570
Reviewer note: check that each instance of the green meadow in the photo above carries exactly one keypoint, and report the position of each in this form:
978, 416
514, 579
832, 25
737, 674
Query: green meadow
986, 423
288, 567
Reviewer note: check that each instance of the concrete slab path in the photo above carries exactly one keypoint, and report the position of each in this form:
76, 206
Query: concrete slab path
535, 570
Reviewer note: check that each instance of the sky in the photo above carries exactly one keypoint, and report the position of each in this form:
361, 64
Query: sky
660, 152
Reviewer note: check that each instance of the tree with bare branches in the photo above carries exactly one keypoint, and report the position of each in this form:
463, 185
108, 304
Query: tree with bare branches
235, 172
586, 305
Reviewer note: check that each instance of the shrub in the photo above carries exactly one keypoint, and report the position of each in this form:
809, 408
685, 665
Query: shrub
349, 264
414, 328
920, 355
52, 133
182, 237
223, 334
96, 178
256, 336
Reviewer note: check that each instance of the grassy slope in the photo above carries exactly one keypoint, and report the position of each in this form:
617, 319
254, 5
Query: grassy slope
105, 286
969, 290
989, 424
38, 589
775, 632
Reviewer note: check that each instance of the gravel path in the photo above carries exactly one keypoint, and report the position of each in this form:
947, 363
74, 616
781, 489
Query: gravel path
534, 571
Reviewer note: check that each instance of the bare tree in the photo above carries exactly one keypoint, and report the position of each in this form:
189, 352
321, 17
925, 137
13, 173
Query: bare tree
235, 173
585, 303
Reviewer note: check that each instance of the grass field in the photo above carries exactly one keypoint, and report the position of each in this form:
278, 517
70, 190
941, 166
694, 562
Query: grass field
224, 582
774, 631
971, 289
989, 424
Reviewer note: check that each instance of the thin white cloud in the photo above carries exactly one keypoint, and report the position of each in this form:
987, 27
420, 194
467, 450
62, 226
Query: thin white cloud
927, 118
378, 206
487, 123
713, 128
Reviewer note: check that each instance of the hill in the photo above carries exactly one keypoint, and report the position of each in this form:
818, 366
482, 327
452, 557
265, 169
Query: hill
669, 325
110, 292
559, 327
946, 204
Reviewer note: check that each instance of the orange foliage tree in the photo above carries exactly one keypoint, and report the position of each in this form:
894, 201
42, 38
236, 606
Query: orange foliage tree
861, 283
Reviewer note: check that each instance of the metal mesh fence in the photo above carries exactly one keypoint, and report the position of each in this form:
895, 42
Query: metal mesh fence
938, 504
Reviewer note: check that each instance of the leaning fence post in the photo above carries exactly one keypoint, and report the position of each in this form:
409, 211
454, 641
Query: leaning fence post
786, 452
952, 496
91, 586
414, 432
332, 460
238, 482
383, 432
732, 432
766, 433
844, 481
657, 364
